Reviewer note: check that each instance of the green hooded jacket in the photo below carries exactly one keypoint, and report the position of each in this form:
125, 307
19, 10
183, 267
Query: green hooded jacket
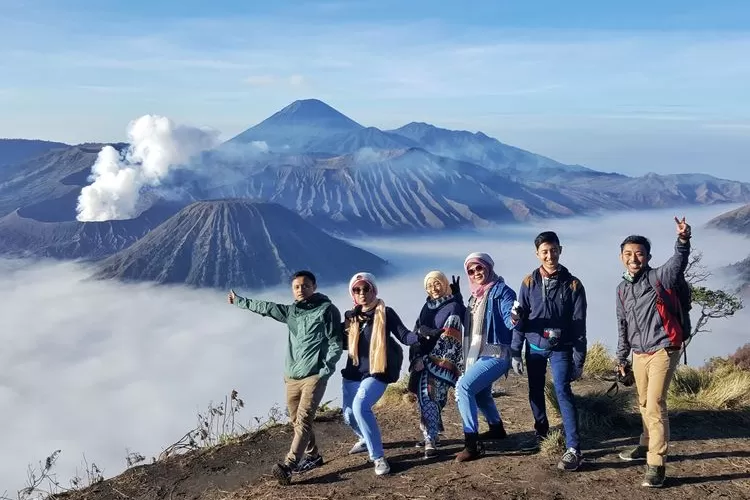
315, 339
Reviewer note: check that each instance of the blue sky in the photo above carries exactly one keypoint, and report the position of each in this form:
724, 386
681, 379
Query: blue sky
632, 87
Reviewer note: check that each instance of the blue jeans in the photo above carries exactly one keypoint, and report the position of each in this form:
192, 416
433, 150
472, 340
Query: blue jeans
561, 363
474, 391
358, 400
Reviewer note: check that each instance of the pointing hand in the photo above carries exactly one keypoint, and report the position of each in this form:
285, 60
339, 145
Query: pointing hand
683, 228
231, 297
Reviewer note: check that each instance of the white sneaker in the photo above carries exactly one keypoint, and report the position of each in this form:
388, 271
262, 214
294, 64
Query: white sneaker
359, 447
381, 466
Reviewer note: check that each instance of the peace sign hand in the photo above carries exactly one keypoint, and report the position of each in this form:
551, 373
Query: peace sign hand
683, 228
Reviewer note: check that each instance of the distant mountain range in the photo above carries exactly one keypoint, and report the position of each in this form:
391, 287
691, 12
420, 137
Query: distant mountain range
235, 243
13, 151
736, 221
341, 176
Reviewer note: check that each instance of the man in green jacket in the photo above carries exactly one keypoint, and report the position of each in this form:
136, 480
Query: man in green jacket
314, 347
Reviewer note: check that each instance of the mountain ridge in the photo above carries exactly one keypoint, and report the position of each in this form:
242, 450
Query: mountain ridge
236, 243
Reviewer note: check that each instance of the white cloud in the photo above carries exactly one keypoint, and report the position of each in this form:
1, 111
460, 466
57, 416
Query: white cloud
98, 367
267, 80
260, 80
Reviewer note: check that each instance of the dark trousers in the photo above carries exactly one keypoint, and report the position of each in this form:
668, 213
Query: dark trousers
561, 363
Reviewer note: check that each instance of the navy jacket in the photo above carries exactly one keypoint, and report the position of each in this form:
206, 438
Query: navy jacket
393, 327
561, 305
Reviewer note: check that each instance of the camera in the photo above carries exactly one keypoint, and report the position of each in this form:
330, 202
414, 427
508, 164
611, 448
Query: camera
552, 335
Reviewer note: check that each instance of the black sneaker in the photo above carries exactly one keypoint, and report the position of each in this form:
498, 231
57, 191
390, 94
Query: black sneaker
654, 477
570, 460
283, 473
308, 463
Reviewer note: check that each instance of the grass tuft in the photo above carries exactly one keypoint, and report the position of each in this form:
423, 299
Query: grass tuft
596, 410
720, 386
554, 444
599, 363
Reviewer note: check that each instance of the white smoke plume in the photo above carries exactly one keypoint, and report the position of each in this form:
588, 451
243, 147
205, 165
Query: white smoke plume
156, 146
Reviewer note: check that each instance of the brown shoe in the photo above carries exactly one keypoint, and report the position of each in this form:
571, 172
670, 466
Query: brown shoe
472, 448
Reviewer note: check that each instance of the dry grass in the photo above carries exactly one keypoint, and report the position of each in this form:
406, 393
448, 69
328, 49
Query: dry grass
554, 444
717, 387
599, 362
397, 393
596, 410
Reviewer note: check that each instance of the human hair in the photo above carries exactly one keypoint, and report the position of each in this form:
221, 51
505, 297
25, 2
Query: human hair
546, 237
304, 274
636, 239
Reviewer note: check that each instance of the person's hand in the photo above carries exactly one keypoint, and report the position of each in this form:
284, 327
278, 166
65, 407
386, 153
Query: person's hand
517, 365
418, 365
515, 312
426, 331
231, 297
455, 287
683, 228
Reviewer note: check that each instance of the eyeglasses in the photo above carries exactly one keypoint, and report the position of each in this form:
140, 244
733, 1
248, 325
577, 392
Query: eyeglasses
472, 271
363, 289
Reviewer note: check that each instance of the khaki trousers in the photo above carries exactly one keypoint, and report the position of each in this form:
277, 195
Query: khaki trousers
653, 374
302, 399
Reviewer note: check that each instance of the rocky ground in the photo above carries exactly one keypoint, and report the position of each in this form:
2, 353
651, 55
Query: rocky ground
710, 458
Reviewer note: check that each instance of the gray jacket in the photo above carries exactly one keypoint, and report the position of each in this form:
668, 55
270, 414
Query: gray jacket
638, 322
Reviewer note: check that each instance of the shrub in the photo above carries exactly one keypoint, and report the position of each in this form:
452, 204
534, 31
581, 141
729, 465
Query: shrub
741, 357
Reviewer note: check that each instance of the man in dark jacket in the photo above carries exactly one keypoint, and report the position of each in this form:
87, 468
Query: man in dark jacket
314, 346
655, 343
552, 321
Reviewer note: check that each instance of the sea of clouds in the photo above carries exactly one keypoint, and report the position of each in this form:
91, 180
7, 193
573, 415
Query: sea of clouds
99, 368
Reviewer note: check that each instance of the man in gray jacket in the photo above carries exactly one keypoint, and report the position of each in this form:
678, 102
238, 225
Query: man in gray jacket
646, 327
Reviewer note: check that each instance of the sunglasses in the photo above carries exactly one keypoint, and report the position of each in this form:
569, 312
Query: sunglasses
472, 271
363, 289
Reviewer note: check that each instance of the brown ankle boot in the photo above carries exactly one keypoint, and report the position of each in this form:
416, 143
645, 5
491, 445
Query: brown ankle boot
472, 448
496, 432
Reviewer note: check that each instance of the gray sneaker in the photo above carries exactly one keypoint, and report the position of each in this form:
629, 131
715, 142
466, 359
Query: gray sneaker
571, 460
637, 453
430, 449
359, 447
381, 466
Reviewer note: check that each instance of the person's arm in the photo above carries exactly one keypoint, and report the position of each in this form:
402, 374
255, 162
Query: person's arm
334, 337
395, 326
519, 331
670, 271
579, 326
623, 343
279, 312
505, 301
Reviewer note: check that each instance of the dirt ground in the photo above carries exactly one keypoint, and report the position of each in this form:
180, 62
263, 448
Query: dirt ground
709, 459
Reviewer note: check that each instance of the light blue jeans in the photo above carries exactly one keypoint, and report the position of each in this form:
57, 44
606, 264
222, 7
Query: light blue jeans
359, 398
474, 391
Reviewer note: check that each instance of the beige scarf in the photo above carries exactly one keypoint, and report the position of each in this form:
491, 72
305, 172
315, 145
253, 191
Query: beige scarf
377, 340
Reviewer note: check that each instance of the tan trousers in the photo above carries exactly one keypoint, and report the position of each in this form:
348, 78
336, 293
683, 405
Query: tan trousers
653, 374
302, 399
